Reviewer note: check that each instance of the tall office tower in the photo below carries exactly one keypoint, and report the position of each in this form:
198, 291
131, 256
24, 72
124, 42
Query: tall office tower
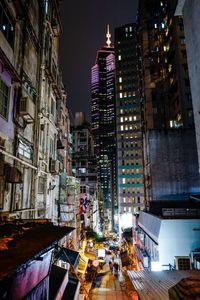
191, 26
170, 155
103, 125
83, 161
129, 130
166, 81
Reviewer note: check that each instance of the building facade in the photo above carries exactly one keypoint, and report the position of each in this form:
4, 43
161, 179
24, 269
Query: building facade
166, 81
189, 11
84, 167
157, 235
35, 141
130, 178
103, 125
167, 99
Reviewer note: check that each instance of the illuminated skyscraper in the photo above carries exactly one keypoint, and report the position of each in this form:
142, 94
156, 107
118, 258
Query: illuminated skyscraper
103, 124
129, 130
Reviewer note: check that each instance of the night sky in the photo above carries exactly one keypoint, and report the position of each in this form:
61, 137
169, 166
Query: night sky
84, 29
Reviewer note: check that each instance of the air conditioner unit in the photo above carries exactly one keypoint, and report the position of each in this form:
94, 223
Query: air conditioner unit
27, 108
54, 166
183, 263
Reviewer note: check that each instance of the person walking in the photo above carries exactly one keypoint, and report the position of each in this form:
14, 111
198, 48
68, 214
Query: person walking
111, 266
115, 268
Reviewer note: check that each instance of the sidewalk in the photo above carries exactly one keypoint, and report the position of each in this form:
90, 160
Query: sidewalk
112, 287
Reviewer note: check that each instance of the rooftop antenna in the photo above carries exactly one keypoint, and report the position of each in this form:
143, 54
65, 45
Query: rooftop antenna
108, 35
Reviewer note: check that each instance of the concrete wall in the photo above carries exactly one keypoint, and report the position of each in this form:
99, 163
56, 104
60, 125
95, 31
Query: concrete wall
173, 162
7, 126
191, 12
177, 238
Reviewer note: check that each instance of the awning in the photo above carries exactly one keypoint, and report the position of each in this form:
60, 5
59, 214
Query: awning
66, 254
83, 262
155, 285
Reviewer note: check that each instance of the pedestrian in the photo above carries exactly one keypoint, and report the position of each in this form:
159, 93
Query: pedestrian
115, 268
111, 266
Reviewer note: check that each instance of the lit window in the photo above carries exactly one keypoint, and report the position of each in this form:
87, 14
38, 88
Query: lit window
122, 127
121, 119
119, 57
130, 29
130, 118
134, 118
120, 79
123, 180
6, 25
120, 95
155, 26
170, 68
25, 149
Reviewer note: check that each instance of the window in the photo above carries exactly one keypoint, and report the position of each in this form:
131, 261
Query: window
4, 99
46, 6
6, 24
83, 189
24, 149
182, 39
82, 170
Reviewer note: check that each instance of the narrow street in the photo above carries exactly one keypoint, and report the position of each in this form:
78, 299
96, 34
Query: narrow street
112, 287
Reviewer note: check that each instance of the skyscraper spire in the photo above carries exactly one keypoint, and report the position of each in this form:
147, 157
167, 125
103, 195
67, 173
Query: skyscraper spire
108, 35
